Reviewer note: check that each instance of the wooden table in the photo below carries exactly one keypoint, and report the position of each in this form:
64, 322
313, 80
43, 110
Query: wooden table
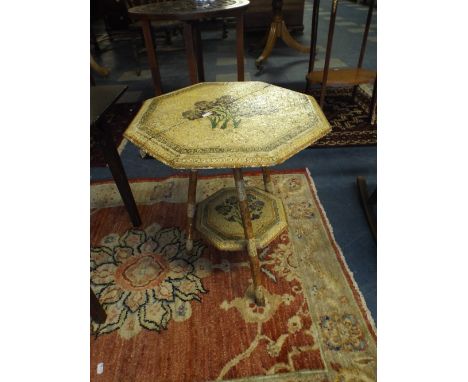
102, 98
190, 12
228, 125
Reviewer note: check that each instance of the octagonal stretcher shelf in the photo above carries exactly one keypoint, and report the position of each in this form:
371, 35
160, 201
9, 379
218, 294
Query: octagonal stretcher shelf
218, 218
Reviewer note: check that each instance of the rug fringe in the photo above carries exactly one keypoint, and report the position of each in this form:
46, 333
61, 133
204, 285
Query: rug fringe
340, 253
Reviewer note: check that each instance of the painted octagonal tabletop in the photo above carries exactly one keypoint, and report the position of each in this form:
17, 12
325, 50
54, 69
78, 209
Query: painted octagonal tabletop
227, 125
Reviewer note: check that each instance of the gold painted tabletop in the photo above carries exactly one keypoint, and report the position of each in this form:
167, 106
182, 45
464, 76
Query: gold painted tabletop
227, 125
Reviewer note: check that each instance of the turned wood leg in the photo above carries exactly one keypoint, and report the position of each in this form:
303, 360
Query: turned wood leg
249, 236
267, 180
191, 204
197, 43
190, 50
240, 47
152, 59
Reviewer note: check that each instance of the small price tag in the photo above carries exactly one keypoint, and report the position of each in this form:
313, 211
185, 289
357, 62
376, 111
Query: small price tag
100, 368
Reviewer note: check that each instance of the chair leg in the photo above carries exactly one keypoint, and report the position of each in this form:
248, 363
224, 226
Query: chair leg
98, 314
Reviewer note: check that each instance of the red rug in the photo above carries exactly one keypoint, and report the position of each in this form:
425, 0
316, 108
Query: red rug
348, 119
174, 317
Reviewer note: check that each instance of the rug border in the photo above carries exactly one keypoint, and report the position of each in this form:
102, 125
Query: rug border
361, 302
341, 259
184, 174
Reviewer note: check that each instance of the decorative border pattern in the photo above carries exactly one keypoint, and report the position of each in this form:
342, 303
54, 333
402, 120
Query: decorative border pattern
272, 153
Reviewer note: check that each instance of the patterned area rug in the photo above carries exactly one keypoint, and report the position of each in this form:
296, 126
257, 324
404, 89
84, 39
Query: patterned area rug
349, 120
117, 120
174, 317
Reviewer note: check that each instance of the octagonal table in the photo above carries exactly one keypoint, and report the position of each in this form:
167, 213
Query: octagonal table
228, 125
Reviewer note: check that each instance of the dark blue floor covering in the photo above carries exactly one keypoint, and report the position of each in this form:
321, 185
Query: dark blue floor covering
334, 170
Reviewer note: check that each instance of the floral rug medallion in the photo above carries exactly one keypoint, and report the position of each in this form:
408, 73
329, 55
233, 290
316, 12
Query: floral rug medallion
144, 279
175, 317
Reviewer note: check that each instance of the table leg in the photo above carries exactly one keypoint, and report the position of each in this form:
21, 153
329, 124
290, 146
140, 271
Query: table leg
313, 40
270, 43
240, 47
152, 59
331, 29
98, 314
198, 51
289, 40
191, 205
248, 232
373, 103
118, 173
267, 180
190, 49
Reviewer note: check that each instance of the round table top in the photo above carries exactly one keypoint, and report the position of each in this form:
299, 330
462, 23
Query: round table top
187, 9
227, 125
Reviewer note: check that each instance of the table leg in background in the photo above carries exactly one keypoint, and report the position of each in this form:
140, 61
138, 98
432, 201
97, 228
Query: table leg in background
240, 47
190, 50
198, 51
248, 231
313, 40
191, 206
152, 59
